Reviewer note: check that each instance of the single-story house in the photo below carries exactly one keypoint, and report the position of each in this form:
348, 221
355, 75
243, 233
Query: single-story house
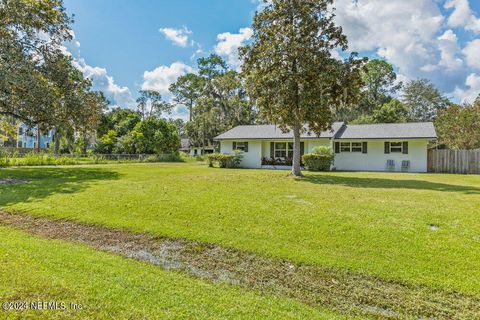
195, 150
366, 147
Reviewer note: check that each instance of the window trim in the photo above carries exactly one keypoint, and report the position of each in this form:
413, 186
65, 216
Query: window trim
287, 150
398, 148
358, 148
243, 147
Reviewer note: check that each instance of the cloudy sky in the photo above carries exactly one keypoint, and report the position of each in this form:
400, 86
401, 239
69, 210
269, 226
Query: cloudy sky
125, 45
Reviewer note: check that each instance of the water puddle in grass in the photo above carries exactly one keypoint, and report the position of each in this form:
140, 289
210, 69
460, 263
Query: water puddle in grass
12, 181
347, 292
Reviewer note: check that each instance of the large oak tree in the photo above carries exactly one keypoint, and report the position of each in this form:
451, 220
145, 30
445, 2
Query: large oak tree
291, 72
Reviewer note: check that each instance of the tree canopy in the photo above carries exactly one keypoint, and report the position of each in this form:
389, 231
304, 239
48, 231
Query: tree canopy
458, 127
38, 83
290, 71
216, 100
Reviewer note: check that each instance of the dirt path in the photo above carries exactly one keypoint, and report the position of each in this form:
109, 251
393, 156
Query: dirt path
349, 293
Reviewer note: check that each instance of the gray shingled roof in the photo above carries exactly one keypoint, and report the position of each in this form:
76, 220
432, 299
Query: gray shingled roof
422, 130
417, 130
270, 131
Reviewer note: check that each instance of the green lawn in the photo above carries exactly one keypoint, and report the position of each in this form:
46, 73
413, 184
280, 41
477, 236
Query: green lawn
110, 287
374, 223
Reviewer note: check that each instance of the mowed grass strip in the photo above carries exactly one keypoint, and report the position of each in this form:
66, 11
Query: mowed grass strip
414, 228
346, 292
110, 287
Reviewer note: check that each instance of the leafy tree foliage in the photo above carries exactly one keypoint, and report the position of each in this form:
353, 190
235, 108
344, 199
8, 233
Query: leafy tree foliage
154, 135
391, 112
38, 84
458, 127
290, 71
150, 104
186, 90
379, 80
124, 131
423, 100
216, 99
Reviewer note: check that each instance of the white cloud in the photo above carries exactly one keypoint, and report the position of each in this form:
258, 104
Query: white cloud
228, 44
472, 91
417, 38
160, 80
449, 49
118, 95
462, 15
401, 31
162, 77
472, 53
179, 37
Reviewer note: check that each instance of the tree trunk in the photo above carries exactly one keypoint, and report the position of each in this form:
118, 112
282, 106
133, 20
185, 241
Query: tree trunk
84, 146
296, 172
38, 138
57, 142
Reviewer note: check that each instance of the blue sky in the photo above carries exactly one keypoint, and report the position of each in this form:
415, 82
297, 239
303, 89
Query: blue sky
126, 45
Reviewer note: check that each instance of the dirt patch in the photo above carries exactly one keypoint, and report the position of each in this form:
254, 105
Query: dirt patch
347, 292
12, 181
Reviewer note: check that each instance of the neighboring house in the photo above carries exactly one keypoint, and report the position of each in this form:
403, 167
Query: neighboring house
194, 150
27, 137
184, 146
369, 147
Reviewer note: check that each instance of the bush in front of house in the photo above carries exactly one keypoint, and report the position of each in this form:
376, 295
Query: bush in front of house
224, 160
320, 160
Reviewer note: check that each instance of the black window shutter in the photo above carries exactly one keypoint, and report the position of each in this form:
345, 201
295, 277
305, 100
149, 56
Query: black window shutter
405, 147
302, 148
272, 150
234, 146
387, 147
364, 147
246, 146
337, 147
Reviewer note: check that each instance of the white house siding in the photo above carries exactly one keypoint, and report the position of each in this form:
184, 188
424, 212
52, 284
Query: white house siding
376, 159
252, 158
257, 149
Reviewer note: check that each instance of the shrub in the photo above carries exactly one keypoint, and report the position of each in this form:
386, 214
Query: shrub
223, 160
317, 162
322, 150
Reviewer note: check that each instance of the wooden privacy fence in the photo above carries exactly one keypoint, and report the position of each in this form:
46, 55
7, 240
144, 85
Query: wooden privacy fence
454, 161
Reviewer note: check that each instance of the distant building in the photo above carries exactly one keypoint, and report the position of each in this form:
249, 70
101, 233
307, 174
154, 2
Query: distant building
194, 150
27, 137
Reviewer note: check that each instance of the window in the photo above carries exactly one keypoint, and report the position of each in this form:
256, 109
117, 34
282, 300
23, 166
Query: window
283, 150
345, 147
357, 147
280, 149
19, 143
20, 131
243, 146
396, 147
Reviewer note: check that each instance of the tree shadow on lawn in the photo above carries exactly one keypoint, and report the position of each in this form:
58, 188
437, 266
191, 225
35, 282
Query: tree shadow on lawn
381, 183
41, 182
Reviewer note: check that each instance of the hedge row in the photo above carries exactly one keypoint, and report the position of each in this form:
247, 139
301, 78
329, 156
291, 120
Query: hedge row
224, 160
317, 162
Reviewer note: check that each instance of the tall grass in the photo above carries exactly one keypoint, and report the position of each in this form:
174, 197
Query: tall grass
46, 159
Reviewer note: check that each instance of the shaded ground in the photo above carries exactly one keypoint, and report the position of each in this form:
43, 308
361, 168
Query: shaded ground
350, 293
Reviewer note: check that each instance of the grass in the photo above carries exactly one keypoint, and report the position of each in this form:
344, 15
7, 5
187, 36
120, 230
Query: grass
108, 286
46, 159
381, 224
